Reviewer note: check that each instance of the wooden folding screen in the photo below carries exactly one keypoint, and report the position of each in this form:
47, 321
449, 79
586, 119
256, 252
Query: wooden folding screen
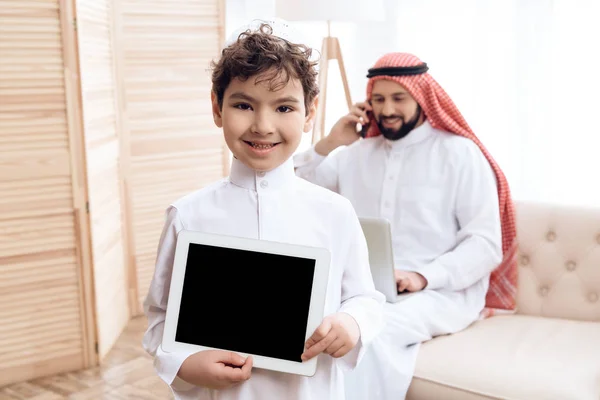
46, 315
104, 120
175, 146
103, 154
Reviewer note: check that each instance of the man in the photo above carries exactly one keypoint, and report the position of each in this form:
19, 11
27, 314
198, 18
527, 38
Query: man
421, 167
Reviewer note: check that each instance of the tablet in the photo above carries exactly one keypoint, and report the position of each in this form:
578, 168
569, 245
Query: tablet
250, 296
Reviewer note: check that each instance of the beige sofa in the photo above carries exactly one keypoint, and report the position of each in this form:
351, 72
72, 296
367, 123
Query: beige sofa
549, 350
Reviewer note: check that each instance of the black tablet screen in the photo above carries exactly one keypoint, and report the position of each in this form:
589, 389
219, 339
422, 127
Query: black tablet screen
245, 301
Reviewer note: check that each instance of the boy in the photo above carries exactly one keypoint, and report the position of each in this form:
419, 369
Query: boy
264, 97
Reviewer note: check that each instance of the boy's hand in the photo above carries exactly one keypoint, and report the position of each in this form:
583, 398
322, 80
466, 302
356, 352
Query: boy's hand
409, 281
336, 336
215, 369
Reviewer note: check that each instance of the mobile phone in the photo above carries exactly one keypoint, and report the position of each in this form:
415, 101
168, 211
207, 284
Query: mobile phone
365, 128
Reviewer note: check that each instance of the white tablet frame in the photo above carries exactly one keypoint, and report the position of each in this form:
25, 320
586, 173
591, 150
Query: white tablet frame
322, 259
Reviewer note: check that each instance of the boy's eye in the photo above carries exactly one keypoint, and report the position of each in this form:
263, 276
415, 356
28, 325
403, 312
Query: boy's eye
377, 100
243, 106
284, 109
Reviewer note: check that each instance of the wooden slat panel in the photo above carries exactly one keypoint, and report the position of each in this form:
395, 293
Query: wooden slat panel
175, 146
36, 235
23, 198
40, 305
98, 85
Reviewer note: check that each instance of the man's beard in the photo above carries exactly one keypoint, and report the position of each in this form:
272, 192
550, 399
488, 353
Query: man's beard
405, 128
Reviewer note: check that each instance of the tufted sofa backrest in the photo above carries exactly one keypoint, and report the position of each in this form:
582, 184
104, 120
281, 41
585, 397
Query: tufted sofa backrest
559, 261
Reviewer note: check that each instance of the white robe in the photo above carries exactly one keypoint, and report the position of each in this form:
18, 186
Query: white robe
276, 206
440, 195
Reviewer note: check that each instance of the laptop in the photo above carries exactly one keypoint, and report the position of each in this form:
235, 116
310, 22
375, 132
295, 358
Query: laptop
378, 233
228, 292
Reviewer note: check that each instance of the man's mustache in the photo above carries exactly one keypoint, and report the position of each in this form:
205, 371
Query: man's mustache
383, 118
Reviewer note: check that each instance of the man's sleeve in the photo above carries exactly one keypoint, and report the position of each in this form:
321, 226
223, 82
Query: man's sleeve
479, 240
318, 169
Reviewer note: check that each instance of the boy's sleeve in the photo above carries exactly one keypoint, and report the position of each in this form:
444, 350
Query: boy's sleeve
167, 365
360, 299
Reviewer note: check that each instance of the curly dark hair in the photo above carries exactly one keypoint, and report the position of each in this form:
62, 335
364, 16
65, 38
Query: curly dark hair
275, 59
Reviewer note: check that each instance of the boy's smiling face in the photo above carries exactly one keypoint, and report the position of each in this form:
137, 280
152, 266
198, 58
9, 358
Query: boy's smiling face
263, 127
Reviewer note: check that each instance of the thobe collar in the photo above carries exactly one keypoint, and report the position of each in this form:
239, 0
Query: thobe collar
417, 135
243, 176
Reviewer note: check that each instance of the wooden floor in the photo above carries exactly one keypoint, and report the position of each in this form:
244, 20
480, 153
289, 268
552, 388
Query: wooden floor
126, 373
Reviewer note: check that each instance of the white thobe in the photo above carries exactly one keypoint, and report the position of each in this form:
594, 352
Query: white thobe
276, 206
440, 195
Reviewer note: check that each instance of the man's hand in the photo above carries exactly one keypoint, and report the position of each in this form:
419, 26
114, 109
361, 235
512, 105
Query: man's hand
344, 131
409, 281
215, 369
336, 336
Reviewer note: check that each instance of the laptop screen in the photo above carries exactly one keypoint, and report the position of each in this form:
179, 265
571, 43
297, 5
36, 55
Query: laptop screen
245, 301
